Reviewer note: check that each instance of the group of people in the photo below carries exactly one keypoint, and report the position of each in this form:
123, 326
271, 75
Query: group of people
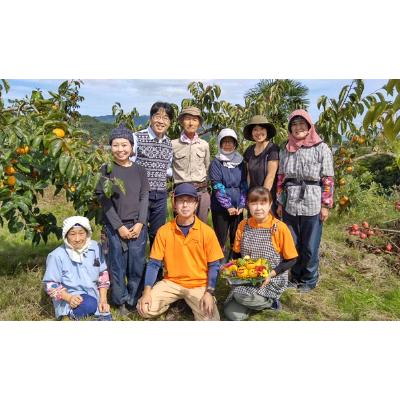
285, 194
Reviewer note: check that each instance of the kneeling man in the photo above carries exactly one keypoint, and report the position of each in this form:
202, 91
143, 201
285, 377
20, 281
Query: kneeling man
191, 255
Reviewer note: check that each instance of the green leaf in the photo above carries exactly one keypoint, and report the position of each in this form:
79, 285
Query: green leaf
120, 183
63, 87
23, 207
20, 133
71, 169
108, 187
368, 117
29, 235
55, 147
381, 96
41, 185
36, 142
396, 103
63, 162
15, 226
389, 86
360, 87
380, 108
396, 128
388, 126
342, 93
5, 208
58, 190
6, 85
94, 180
50, 125
23, 168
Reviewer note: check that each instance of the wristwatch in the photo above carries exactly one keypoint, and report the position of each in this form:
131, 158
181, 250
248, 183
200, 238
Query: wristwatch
210, 290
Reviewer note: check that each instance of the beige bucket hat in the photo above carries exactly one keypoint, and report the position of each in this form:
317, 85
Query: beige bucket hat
259, 120
191, 111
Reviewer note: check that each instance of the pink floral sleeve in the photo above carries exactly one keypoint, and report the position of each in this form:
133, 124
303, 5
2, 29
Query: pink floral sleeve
279, 189
54, 289
104, 280
327, 191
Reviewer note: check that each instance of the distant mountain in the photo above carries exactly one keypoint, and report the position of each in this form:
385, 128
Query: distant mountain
110, 119
100, 127
100, 131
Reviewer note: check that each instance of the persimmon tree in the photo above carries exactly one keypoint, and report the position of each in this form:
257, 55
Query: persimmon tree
42, 145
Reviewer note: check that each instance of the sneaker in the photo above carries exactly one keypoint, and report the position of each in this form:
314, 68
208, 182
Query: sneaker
276, 305
131, 309
304, 288
123, 310
292, 285
104, 317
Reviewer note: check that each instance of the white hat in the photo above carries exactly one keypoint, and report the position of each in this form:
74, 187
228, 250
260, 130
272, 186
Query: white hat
226, 132
76, 220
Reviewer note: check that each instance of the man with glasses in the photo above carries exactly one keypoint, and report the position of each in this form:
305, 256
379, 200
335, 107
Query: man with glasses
191, 254
154, 153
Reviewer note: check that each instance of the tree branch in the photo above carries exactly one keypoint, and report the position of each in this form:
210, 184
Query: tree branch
377, 153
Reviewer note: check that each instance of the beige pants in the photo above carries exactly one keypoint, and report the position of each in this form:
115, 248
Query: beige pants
165, 292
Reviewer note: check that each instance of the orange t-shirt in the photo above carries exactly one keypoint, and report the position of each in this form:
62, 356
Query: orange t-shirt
186, 258
282, 239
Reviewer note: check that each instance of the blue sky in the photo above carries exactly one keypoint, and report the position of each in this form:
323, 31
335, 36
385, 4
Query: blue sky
101, 94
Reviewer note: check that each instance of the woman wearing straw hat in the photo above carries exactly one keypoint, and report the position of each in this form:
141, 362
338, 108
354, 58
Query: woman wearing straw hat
262, 158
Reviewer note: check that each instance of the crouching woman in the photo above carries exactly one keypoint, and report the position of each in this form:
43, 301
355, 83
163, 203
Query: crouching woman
261, 236
76, 276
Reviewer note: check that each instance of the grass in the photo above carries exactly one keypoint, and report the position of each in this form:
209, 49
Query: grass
354, 285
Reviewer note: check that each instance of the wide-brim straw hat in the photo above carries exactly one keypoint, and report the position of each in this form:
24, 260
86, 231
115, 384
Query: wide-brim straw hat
259, 120
191, 111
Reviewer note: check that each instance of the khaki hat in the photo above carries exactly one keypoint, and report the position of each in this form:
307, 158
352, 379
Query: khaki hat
258, 120
191, 111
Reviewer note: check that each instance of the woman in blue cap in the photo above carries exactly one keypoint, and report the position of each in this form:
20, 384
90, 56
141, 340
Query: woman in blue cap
76, 276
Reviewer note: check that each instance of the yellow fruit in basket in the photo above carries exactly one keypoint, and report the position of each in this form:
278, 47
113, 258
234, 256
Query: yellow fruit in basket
226, 272
253, 273
246, 257
233, 268
265, 273
242, 272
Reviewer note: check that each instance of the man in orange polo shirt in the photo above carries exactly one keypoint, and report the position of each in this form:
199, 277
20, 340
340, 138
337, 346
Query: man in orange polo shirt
191, 254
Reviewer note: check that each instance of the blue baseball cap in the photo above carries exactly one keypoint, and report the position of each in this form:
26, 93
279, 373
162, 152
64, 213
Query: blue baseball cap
185, 189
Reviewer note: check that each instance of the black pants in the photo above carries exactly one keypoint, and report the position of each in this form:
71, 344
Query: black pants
157, 212
156, 217
306, 232
224, 223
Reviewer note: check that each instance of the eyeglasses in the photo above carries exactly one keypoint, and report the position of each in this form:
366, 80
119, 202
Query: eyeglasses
187, 201
158, 117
